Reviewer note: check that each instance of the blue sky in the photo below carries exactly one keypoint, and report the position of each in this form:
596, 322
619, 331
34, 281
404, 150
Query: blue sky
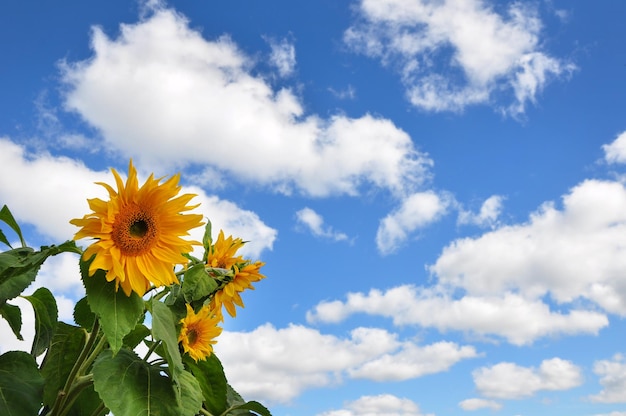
437, 187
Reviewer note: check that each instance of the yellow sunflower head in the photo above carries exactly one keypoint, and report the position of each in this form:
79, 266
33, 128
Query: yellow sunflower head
222, 253
198, 332
138, 232
229, 295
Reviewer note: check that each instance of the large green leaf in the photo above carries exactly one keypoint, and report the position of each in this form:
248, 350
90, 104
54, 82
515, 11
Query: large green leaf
21, 385
7, 217
131, 387
253, 406
118, 314
67, 343
13, 316
210, 375
19, 267
46, 318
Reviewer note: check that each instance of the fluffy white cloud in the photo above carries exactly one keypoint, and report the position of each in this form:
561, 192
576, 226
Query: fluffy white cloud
613, 379
278, 364
416, 211
315, 224
615, 152
48, 191
476, 404
575, 252
517, 319
480, 51
511, 381
283, 57
383, 404
487, 216
413, 361
164, 95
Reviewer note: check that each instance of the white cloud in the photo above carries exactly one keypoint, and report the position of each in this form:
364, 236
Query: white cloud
48, 191
613, 380
615, 152
283, 57
416, 211
575, 252
380, 405
276, 365
315, 224
611, 414
164, 95
477, 404
480, 51
487, 216
511, 381
414, 361
517, 319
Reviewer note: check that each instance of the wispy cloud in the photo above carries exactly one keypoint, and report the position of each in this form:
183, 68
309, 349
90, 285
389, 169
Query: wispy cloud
455, 53
612, 378
487, 216
282, 56
315, 224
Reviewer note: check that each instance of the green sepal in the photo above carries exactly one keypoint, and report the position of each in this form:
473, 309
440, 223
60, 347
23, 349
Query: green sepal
67, 343
117, 313
197, 283
13, 315
46, 319
21, 384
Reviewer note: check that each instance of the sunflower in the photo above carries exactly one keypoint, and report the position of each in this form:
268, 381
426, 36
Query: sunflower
229, 295
222, 252
198, 333
138, 232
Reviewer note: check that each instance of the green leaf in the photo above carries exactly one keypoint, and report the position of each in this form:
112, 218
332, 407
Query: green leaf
19, 267
164, 329
46, 318
67, 343
253, 406
188, 393
137, 335
86, 403
210, 375
118, 314
197, 283
3, 239
13, 316
83, 315
7, 217
21, 385
131, 387
206, 241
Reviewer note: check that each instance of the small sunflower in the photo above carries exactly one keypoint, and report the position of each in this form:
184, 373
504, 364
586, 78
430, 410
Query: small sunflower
222, 252
198, 333
229, 295
138, 232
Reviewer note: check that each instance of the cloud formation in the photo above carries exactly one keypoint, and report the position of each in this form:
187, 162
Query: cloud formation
277, 364
315, 224
455, 53
612, 378
383, 404
553, 374
416, 211
225, 117
615, 152
477, 404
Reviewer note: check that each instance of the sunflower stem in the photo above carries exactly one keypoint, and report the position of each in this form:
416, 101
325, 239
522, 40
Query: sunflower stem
152, 348
61, 400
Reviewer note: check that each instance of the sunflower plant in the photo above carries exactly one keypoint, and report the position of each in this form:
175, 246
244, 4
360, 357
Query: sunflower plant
142, 338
